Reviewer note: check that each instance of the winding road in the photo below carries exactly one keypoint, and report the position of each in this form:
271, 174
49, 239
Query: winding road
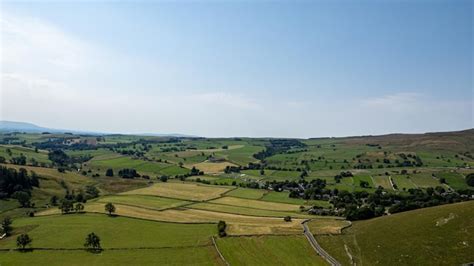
317, 247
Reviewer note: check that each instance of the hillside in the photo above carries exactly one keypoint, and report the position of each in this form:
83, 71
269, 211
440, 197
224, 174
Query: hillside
440, 235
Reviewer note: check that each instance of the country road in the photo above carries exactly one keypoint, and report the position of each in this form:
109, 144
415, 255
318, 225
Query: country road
317, 247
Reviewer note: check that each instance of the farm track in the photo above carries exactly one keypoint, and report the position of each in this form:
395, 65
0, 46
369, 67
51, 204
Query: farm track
317, 247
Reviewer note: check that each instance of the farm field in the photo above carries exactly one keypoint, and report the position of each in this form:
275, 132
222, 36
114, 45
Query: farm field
369, 243
246, 211
256, 204
269, 250
247, 193
185, 191
283, 197
152, 202
177, 243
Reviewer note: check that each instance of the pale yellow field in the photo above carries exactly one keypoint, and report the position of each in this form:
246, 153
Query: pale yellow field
184, 191
238, 224
212, 168
257, 204
327, 226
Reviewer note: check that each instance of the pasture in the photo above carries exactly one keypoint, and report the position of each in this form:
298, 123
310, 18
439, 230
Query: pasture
147, 241
269, 250
384, 240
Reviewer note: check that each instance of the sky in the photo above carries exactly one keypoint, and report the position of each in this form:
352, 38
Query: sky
239, 68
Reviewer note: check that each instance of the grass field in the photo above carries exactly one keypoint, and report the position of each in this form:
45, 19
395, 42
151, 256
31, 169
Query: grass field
168, 256
283, 197
186, 191
143, 201
211, 167
133, 237
247, 193
444, 236
269, 250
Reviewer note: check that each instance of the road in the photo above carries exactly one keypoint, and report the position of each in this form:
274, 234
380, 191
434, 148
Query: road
317, 247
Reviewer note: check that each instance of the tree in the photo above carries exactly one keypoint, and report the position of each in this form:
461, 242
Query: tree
163, 178
79, 207
23, 198
59, 157
364, 184
66, 206
470, 179
262, 171
221, 226
91, 192
23, 240
287, 218
6, 226
110, 208
92, 242
109, 172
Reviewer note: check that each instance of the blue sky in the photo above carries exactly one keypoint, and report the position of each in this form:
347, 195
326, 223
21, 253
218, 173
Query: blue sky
240, 68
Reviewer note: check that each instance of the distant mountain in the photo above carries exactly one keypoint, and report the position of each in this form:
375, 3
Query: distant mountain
13, 126
10, 126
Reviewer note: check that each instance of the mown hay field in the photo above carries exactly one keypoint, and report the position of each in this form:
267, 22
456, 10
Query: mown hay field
145, 201
256, 204
327, 226
246, 211
185, 191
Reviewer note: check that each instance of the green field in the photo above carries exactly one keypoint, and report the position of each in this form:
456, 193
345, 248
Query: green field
283, 197
247, 193
443, 235
129, 237
269, 250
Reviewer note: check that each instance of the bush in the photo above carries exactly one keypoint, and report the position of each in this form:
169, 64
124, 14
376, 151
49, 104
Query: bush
287, 219
470, 179
221, 226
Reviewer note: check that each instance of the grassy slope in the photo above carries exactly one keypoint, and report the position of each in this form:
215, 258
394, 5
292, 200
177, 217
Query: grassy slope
440, 235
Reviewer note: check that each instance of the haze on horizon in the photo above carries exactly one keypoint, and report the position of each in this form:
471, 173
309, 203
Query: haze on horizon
276, 69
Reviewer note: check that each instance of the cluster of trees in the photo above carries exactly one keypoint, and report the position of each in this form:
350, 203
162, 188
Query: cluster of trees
343, 174
60, 158
470, 180
128, 173
276, 146
17, 184
74, 202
